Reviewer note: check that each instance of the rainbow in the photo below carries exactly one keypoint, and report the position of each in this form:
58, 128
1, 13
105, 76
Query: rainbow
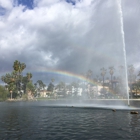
64, 73
70, 74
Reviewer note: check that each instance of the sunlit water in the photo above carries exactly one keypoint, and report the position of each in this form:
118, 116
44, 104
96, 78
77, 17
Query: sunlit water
39, 120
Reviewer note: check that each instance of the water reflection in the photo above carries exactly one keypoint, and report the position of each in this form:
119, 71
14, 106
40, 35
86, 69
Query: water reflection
135, 125
46, 122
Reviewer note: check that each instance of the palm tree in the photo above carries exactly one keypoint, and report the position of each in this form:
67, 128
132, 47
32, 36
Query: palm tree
19, 67
24, 82
111, 73
29, 76
103, 72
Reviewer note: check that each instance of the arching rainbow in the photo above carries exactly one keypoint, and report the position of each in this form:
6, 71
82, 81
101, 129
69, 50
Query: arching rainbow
63, 73
68, 74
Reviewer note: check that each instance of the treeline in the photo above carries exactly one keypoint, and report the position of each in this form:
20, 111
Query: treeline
17, 84
117, 78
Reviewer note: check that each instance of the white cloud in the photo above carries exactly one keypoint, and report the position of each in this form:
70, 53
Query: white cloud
44, 3
8, 4
60, 35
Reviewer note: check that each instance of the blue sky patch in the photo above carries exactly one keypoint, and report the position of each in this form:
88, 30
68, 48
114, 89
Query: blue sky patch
71, 1
2, 11
28, 3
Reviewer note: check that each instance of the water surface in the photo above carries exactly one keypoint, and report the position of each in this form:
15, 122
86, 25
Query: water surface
38, 120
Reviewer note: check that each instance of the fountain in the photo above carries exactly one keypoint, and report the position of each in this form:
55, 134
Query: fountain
124, 49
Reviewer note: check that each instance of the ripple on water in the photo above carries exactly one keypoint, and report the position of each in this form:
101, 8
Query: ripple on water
23, 122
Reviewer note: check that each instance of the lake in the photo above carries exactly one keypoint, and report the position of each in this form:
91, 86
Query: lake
40, 120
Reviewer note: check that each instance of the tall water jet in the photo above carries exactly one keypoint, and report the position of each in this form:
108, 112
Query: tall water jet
124, 48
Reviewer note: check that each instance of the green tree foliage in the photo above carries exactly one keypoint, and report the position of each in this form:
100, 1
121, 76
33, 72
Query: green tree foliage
30, 87
18, 66
15, 81
131, 70
3, 93
29, 76
50, 87
41, 85
61, 85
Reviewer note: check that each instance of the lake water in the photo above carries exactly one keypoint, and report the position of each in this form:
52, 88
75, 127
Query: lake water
42, 120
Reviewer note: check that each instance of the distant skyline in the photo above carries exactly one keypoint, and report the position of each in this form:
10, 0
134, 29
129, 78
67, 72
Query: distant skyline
67, 35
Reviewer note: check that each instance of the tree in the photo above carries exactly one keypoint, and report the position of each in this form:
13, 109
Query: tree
30, 87
131, 72
11, 88
50, 87
41, 84
111, 71
136, 87
18, 68
25, 80
15, 80
3, 93
61, 86
29, 76
103, 72
10, 80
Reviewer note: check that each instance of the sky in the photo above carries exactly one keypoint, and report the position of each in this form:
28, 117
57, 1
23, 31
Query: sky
68, 36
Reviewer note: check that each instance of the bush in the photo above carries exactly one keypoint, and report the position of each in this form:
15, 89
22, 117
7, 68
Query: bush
3, 93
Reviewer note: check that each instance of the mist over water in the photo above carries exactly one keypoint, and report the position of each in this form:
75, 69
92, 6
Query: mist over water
104, 48
77, 47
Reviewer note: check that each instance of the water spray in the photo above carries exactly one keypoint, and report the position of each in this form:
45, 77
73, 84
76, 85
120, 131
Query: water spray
124, 49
